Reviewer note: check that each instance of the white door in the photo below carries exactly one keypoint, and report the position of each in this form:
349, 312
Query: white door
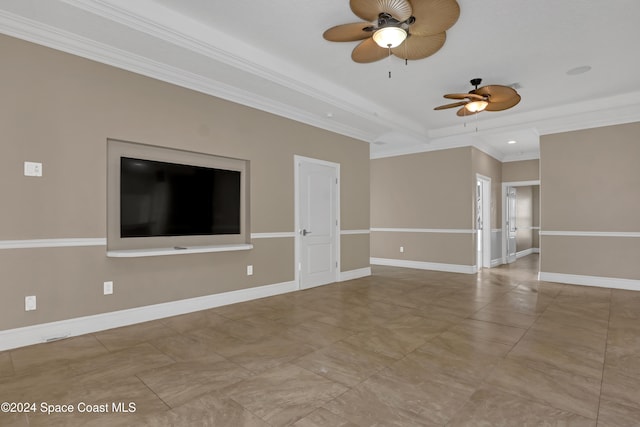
317, 221
511, 224
483, 221
479, 225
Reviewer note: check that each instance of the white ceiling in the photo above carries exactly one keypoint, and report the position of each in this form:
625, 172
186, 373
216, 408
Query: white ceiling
271, 55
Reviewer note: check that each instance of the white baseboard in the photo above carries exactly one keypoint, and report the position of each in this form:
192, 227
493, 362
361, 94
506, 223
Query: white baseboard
20, 337
602, 282
524, 253
354, 274
536, 250
422, 265
496, 262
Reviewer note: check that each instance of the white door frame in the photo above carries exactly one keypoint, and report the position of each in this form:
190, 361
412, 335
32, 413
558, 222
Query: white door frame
485, 262
298, 160
505, 230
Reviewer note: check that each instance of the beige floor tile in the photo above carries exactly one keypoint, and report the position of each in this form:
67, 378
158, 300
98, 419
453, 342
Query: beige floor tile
285, 394
316, 334
122, 363
6, 365
504, 316
391, 399
187, 347
44, 356
182, 382
321, 417
129, 336
563, 390
492, 408
344, 362
620, 388
613, 414
260, 355
486, 331
539, 352
196, 320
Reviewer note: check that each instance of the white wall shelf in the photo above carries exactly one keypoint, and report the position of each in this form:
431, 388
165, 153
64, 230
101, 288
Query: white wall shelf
178, 250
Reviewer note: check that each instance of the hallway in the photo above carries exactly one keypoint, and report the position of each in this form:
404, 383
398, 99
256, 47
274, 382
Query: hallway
402, 347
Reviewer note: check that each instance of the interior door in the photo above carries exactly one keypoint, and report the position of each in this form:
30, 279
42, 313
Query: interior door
317, 223
479, 225
511, 224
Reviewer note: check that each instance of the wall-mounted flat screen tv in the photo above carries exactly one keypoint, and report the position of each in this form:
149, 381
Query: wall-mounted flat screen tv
171, 199
165, 198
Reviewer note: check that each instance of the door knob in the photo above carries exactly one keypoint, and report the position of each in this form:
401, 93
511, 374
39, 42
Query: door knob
305, 232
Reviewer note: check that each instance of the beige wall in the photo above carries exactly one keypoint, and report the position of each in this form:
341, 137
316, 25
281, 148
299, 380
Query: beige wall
589, 183
59, 109
522, 170
430, 195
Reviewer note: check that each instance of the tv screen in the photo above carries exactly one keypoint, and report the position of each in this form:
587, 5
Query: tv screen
170, 199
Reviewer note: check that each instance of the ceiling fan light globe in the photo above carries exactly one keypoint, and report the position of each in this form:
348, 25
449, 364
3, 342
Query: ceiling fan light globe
389, 37
476, 106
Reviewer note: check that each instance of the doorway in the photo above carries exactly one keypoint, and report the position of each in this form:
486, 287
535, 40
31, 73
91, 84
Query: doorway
317, 243
510, 219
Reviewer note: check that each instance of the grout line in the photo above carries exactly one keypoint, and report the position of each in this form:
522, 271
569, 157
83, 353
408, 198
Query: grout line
604, 358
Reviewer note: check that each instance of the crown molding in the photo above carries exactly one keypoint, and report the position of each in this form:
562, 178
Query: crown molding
163, 24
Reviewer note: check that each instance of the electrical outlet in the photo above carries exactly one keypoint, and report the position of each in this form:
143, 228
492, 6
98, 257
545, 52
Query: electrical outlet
249, 270
32, 169
401, 249
30, 303
108, 288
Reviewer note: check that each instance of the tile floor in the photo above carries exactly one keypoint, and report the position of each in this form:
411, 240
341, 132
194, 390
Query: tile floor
400, 348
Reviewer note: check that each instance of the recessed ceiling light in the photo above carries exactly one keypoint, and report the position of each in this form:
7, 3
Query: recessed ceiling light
511, 142
579, 70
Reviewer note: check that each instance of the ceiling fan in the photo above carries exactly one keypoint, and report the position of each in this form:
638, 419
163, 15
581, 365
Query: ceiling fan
409, 29
489, 98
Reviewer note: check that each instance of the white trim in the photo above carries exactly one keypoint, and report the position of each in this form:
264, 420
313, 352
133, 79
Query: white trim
422, 265
426, 230
20, 337
354, 274
52, 243
536, 250
496, 230
602, 282
523, 253
520, 183
591, 233
273, 235
137, 253
348, 232
496, 262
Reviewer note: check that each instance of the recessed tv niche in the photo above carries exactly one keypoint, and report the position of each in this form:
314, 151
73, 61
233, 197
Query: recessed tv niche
166, 198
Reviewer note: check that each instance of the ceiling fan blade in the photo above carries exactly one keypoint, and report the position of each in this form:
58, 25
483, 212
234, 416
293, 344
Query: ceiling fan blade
370, 9
368, 51
505, 105
463, 96
418, 47
434, 16
497, 93
463, 112
455, 104
348, 32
